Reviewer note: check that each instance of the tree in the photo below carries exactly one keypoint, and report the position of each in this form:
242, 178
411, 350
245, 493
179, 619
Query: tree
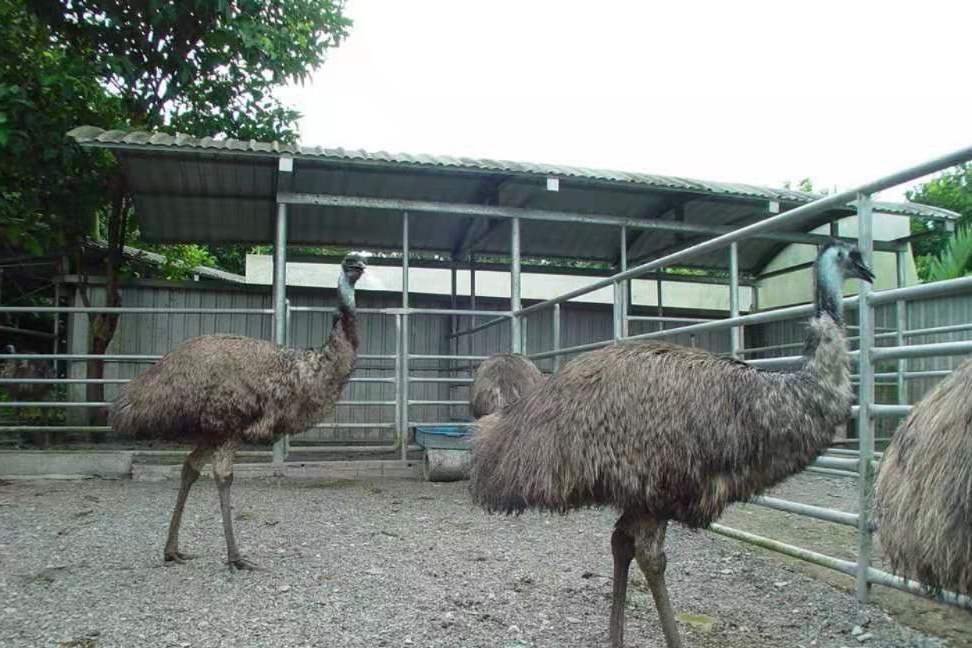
951, 190
50, 190
202, 67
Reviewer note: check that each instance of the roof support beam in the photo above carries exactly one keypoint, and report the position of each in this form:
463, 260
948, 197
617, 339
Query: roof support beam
395, 205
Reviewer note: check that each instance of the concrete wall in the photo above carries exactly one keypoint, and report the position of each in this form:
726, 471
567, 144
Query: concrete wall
495, 284
797, 287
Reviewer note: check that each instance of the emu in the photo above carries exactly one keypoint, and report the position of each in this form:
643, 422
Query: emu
216, 391
921, 500
501, 379
667, 433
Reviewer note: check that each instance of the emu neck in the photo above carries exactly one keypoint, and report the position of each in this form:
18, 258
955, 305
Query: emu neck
826, 350
828, 296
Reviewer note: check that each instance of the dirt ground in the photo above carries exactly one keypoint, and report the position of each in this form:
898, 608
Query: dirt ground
408, 563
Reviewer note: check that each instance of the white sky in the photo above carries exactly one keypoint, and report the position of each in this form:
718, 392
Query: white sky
745, 91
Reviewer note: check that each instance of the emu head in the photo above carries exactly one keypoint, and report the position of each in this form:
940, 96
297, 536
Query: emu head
836, 262
353, 267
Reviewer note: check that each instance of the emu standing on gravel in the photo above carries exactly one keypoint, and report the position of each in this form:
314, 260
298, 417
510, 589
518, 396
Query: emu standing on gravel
923, 496
663, 432
218, 390
501, 379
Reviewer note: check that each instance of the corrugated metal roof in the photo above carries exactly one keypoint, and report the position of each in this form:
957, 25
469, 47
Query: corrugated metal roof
92, 135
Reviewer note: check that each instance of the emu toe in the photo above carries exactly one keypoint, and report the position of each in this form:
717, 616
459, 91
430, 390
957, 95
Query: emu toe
178, 557
242, 564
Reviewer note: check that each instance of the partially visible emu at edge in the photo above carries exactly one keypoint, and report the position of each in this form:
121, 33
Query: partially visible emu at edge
663, 432
501, 379
923, 496
217, 391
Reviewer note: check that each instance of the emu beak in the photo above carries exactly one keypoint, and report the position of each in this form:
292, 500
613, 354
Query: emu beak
861, 271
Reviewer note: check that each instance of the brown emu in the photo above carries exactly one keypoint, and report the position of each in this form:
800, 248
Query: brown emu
501, 379
663, 432
923, 496
218, 390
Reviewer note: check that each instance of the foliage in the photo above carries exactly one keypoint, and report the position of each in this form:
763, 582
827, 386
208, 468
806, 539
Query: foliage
951, 190
954, 261
806, 186
49, 189
203, 67
181, 259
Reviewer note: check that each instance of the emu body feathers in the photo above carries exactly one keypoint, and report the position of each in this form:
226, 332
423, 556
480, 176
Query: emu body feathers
923, 496
673, 432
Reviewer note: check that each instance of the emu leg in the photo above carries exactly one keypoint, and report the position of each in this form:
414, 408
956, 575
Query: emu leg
190, 473
650, 554
223, 472
623, 550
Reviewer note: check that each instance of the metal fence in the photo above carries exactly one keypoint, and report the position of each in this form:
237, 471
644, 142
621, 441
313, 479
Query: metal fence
868, 356
423, 384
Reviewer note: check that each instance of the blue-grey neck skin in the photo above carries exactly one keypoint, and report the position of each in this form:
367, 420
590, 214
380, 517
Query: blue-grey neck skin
345, 294
829, 281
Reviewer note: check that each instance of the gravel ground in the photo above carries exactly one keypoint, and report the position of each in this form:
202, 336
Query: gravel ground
392, 563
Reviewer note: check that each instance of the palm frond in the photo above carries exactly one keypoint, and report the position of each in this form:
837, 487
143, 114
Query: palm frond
955, 260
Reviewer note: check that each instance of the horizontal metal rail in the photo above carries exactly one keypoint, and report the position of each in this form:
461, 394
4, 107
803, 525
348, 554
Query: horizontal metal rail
377, 403
439, 380
441, 423
934, 330
121, 381
881, 410
836, 463
438, 402
921, 350
843, 566
42, 404
876, 576
495, 211
439, 356
921, 291
55, 428
833, 473
506, 317
818, 512
137, 310
63, 381
657, 318
320, 426
136, 358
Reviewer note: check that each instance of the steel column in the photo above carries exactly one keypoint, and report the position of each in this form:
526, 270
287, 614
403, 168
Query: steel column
399, 418
403, 349
556, 336
280, 303
901, 321
515, 305
735, 333
865, 431
621, 292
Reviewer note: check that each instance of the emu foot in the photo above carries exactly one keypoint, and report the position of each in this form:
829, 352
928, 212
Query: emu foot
178, 557
242, 564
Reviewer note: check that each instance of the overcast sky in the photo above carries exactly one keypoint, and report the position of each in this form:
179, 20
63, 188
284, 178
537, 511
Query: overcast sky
745, 91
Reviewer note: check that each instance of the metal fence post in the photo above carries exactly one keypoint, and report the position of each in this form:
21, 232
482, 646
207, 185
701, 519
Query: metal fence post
280, 305
620, 292
556, 336
403, 396
735, 333
901, 323
515, 304
865, 431
400, 428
